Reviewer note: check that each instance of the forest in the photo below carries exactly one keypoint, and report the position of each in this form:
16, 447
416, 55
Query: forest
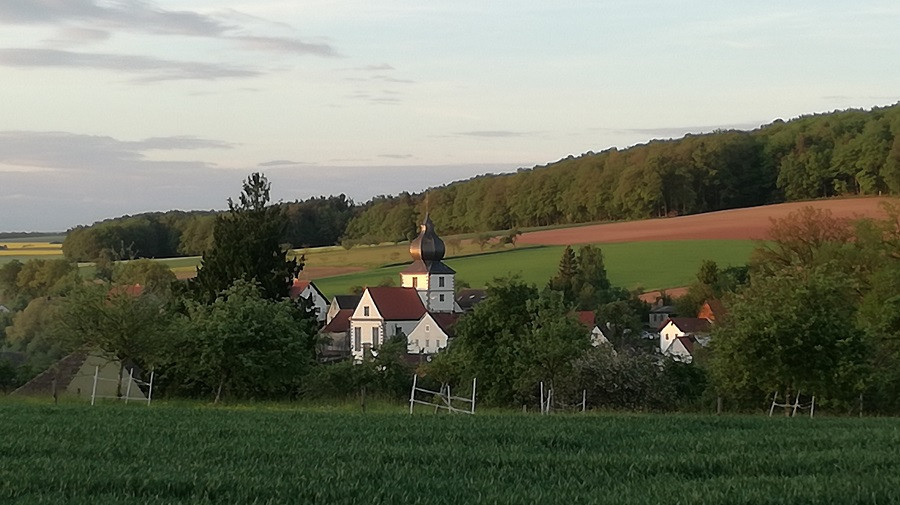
842, 153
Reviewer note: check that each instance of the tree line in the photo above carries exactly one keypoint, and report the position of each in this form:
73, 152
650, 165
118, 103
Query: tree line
313, 222
852, 152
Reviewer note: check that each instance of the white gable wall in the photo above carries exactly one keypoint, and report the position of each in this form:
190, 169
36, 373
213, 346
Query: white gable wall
427, 337
320, 304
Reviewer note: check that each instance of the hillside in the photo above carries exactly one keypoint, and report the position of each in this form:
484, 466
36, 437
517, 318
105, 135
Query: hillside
843, 153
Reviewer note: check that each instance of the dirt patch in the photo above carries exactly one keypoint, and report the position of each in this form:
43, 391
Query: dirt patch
674, 293
748, 223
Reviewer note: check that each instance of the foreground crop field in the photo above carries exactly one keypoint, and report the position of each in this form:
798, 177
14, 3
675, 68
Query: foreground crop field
651, 265
164, 454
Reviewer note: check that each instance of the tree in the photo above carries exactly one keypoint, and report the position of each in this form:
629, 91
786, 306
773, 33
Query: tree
152, 275
245, 343
791, 332
247, 246
567, 276
119, 322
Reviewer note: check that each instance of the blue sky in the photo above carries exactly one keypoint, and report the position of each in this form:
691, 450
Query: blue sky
119, 107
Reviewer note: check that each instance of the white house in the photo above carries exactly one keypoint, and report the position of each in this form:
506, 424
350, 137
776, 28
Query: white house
586, 317
432, 333
340, 303
678, 336
308, 290
382, 312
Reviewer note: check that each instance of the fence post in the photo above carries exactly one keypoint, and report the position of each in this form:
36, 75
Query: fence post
94, 390
128, 387
150, 389
542, 397
774, 399
412, 394
473, 395
583, 399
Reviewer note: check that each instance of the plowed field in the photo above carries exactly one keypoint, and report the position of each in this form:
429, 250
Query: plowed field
736, 224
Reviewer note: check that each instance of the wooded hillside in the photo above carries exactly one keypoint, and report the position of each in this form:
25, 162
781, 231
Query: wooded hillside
841, 153
852, 152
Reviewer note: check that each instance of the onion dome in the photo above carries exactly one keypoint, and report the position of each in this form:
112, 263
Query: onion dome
427, 246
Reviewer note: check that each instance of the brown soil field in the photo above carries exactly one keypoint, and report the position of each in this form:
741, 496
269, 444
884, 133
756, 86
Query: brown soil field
739, 224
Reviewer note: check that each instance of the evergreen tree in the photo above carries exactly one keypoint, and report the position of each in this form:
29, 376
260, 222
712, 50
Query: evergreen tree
567, 275
247, 246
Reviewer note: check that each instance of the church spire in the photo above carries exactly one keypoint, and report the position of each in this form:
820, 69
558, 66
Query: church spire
428, 246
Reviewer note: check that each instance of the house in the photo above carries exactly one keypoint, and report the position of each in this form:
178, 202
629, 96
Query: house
383, 312
336, 336
308, 290
432, 333
339, 303
713, 310
74, 376
587, 318
678, 335
426, 288
468, 298
660, 313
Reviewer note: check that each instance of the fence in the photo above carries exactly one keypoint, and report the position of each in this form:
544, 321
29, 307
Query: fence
442, 399
131, 380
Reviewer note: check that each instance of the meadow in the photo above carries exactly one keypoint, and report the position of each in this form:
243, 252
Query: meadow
26, 249
648, 265
278, 454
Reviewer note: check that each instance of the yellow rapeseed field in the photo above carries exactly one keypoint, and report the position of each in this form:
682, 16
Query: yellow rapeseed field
30, 249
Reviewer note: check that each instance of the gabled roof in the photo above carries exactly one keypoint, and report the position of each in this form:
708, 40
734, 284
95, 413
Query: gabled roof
397, 304
346, 301
446, 320
340, 323
469, 298
63, 371
300, 286
427, 267
688, 343
712, 309
586, 317
688, 324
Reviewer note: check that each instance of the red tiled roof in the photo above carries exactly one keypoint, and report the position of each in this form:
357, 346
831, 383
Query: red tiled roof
340, 323
712, 309
397, 304
586, 317
446, 320
688, 324
298, 287
127, 289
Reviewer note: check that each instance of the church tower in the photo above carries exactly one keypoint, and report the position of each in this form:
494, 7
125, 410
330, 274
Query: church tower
431, 278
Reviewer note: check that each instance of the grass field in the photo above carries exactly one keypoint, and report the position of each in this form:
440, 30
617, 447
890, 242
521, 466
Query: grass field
651, 265
178, 454
24, 250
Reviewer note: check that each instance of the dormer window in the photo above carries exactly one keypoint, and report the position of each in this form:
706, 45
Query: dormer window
366, 311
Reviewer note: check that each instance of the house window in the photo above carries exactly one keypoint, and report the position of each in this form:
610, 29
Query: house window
440, 282
427, 343
357, 339
416, 344
427, 327
442, 297
437, 343
366, 311
375, 337
415, 282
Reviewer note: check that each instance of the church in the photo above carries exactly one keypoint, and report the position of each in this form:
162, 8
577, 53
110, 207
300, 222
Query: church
423, 308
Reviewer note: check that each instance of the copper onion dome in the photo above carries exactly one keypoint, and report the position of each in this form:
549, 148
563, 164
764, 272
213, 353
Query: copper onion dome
427, 246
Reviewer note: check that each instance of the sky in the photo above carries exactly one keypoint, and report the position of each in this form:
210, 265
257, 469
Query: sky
120, 107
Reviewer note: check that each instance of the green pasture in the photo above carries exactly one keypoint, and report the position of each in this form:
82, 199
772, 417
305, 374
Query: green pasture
649, 265
269, 454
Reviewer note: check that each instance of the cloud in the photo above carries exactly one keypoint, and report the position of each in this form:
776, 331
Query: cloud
74, 35
493, 133
396, 156
94, 153
146, 17
286, 45
281, 163
132, 15
152, 69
